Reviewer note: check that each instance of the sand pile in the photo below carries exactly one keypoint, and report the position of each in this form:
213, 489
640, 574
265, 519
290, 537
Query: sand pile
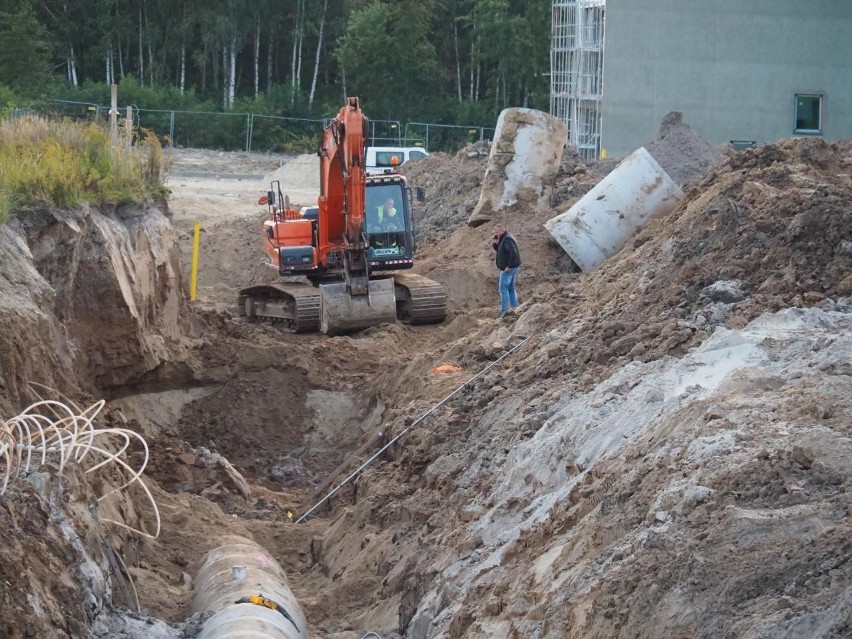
684, 154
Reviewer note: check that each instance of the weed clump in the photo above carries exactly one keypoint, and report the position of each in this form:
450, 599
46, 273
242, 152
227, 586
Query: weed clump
62, 163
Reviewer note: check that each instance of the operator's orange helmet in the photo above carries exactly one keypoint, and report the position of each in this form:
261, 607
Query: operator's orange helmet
394, 160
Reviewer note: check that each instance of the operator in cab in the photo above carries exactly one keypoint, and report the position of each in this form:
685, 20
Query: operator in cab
387, 212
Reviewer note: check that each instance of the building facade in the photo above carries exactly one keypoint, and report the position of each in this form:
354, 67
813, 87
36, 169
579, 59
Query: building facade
739, 70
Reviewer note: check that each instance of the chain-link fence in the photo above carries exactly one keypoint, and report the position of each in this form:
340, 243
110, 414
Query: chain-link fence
255, 132
448, 138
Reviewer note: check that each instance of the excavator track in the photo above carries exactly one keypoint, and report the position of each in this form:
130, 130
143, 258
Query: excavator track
419, 300
295, 306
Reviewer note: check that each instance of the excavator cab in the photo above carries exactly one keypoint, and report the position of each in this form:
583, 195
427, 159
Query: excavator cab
388, 224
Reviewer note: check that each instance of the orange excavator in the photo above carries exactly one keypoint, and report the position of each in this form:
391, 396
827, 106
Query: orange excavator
361, 230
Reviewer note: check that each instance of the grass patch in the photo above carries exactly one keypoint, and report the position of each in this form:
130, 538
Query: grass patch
63, 163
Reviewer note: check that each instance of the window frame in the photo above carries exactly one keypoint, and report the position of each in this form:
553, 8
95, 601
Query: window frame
820, 124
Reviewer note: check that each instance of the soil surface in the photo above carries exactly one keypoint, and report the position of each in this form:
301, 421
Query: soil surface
668, 454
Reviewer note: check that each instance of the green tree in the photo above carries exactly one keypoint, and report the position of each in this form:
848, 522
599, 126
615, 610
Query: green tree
512, 45
25, 50
388, 58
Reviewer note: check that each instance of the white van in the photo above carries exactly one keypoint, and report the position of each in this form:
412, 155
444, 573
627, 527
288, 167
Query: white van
380, 158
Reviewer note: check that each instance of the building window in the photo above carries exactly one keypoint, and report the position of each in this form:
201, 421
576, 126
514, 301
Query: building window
808, 114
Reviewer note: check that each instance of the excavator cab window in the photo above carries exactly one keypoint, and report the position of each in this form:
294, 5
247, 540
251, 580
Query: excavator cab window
386, 221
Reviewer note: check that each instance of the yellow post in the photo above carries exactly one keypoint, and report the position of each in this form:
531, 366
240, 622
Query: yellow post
193, 278
603, 154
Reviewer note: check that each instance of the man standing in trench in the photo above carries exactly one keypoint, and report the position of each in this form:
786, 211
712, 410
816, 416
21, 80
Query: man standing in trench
508, 260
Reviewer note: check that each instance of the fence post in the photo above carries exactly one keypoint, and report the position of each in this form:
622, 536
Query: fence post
113, 115
129, 127
481, 133
248, 132
427, 137
172, 128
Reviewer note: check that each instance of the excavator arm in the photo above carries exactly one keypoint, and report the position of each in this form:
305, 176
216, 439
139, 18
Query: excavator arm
341, 200
356, 302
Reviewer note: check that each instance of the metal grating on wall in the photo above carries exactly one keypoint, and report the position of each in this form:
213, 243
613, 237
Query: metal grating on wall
576, 71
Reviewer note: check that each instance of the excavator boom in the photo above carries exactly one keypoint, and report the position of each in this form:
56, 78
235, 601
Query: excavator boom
356, 302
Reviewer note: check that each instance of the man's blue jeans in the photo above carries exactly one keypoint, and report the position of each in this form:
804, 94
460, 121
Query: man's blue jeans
508, 294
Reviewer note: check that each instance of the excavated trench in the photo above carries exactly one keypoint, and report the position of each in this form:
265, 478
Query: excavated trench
288, 433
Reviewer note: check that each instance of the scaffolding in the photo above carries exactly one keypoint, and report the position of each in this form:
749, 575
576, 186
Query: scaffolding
576, 71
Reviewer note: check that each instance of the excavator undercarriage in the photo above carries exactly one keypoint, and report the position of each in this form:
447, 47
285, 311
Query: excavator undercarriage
303, 308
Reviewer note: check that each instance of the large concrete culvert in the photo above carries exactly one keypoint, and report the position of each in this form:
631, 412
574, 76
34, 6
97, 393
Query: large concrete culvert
246, 590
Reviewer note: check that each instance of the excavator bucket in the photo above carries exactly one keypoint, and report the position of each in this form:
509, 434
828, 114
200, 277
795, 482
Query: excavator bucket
341, 312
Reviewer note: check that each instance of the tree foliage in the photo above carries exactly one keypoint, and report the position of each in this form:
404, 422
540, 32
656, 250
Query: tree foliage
25, 49
442, 60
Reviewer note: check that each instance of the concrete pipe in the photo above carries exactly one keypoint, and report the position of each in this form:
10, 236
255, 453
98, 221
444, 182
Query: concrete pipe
602, 221
247, 592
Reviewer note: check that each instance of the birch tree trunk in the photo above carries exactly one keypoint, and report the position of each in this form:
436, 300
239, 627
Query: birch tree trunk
458, 61
471, 93
295, 45
182, 68
257, 59
232, 69
120, 60
299, 55
317, 60
214, 71
150, 49
225, 78
204, 71
497, 91
269, 64
478, 76
296, 70
141, 56
72, 64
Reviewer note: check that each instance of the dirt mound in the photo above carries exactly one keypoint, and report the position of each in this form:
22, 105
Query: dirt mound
300, 179
684, 154
443, 521
96, 295
452, 186
768, 230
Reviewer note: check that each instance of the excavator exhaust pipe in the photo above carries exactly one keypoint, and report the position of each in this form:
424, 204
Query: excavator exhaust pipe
341, 312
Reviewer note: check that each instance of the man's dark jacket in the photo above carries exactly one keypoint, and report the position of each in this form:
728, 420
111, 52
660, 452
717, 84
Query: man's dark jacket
508, 253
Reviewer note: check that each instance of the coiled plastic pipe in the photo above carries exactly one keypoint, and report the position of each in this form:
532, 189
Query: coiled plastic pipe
64, 433
247, 592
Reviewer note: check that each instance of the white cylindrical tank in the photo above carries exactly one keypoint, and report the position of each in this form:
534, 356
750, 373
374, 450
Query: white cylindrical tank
602, 221
524, 159
238, 570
